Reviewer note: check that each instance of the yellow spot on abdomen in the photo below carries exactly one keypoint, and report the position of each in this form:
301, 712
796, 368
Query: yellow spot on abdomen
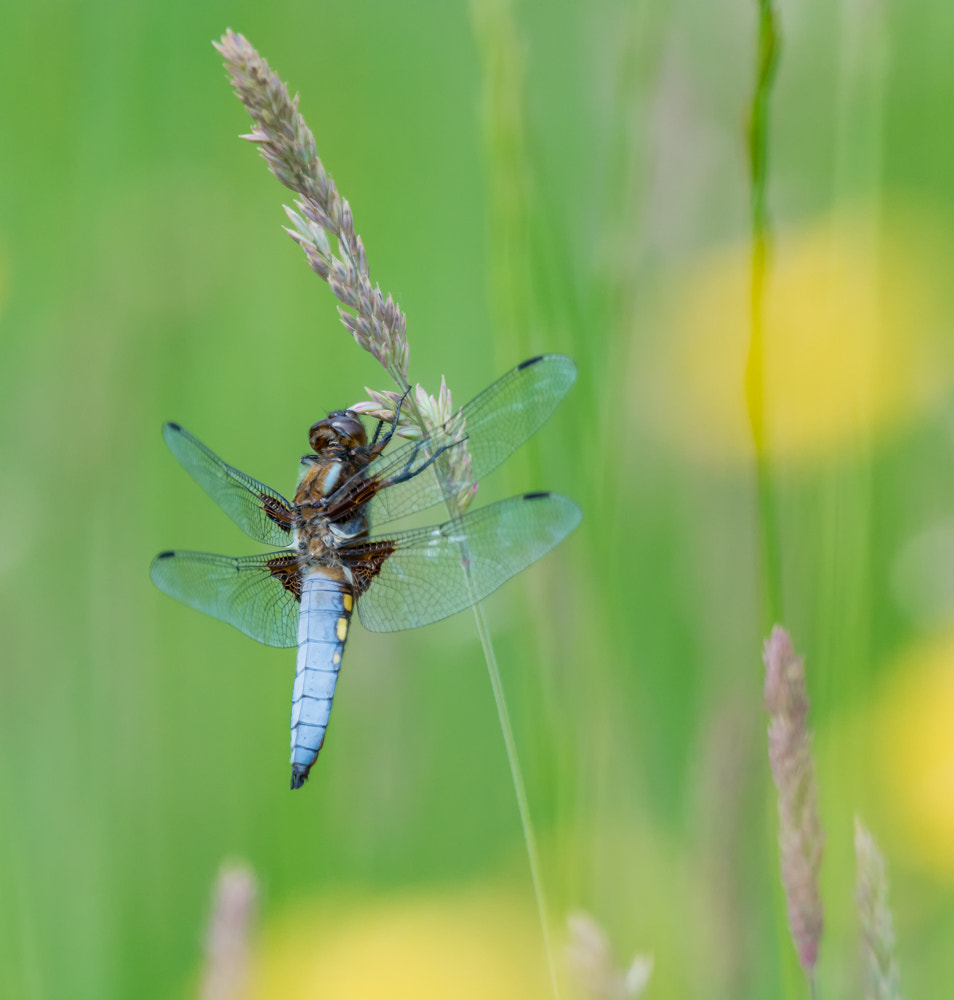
336, 659
342, 629
348, 601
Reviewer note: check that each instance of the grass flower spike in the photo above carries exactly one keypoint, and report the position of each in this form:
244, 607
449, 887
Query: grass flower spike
288, 147
374, 319
594, 968
454, 465
800, 836
227, 943
882, 978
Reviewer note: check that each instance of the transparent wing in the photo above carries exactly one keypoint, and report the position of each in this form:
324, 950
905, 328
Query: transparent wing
496, 423
259, 595
417, 577
258, 510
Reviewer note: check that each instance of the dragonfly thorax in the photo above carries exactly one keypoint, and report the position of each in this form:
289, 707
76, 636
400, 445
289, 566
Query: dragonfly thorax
341, 451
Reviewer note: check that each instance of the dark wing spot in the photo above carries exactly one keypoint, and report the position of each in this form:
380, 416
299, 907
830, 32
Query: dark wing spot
365, 562
275, 511
535, 496
287, 571
174, 426
529, 362
165, 555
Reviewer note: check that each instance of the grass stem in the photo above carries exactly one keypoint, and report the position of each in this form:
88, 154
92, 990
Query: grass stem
766, 62
533, 858
767, 55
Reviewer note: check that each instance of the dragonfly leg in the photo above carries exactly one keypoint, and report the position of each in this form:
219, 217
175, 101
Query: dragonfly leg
409, 472
378, 448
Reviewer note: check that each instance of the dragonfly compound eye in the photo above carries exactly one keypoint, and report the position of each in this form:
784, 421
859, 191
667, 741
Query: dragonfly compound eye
322, 435
341, 427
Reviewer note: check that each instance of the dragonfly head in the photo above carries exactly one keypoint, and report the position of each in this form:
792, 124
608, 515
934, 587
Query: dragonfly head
340, 429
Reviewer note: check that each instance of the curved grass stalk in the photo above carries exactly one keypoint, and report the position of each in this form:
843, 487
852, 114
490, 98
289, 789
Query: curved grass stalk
523, 806
499, 47
435, 413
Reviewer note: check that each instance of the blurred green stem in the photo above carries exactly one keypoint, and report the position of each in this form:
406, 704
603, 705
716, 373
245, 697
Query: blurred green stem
508, 175
767, 55
499, 47
766, 61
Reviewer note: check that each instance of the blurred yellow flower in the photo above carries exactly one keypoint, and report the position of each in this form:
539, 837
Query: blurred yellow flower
465, 946
914, 733
852, 314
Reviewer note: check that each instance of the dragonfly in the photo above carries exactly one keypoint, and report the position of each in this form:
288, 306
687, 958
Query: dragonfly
328, 555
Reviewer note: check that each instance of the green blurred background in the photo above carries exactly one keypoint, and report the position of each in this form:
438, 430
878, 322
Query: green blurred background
543, 177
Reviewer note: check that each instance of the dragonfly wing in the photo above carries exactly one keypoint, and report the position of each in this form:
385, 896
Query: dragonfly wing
258, 510
496, 423
418, 577
259, 594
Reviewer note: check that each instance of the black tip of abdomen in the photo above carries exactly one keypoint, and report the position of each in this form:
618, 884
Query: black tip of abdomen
299, 774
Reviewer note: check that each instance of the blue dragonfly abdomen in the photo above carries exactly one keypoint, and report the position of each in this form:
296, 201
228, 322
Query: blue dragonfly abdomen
326, 605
